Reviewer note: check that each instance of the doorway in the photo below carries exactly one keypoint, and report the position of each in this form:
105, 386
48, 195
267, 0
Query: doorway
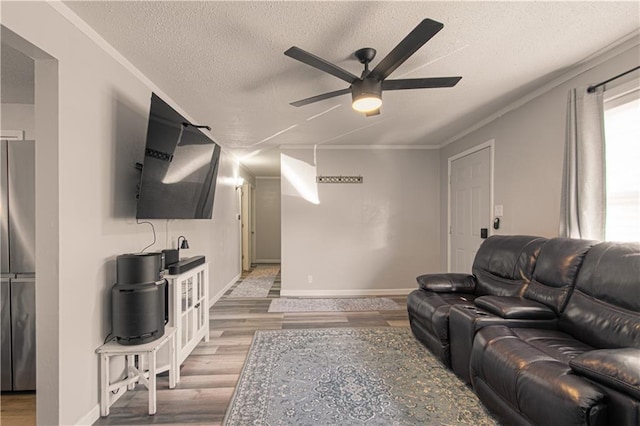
42, 126
17, 211
470, 201
246, 220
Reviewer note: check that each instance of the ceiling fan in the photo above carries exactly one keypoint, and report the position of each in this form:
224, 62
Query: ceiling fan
366, 90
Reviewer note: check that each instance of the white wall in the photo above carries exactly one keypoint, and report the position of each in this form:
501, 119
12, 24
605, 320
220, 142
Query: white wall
19, 117
103, 111
369, 238
267, 215
529, 152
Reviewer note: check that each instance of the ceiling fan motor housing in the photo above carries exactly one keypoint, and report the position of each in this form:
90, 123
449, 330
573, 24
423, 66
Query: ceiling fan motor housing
369, 87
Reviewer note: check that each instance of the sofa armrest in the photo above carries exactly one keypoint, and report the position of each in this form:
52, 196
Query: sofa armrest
515, 308
616, 368
447, 283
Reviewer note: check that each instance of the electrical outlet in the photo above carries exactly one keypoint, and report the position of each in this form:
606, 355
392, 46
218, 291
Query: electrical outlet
310, 279
498, 210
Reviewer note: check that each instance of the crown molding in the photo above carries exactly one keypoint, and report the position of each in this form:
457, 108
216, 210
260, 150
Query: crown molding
246, 170
614, 49
361, 147
83, 27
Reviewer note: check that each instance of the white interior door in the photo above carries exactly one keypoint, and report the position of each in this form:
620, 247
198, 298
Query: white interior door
470, 206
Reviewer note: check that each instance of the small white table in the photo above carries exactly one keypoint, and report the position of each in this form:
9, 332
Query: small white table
134, 375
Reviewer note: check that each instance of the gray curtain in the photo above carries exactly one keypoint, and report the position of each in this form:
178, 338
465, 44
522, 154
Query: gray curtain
583, 203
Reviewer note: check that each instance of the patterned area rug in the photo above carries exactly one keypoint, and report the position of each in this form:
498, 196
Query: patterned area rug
257, 283
333, 305
349, 376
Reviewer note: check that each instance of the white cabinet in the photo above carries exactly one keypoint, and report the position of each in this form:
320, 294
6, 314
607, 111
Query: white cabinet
189, 309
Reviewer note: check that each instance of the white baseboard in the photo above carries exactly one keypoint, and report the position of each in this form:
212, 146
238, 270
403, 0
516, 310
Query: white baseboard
221, 293
266, 261
344, 293
91, 417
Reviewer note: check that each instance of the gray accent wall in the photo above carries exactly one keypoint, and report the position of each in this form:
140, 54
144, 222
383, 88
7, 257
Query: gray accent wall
267, 219
369, 238
529, 154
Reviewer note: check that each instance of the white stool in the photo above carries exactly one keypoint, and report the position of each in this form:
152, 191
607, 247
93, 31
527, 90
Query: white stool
134, 375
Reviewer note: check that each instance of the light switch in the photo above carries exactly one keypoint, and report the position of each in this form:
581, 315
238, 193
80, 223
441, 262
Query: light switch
498, 210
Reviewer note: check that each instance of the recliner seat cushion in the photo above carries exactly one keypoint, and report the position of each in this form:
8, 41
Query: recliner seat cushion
617, 368
528, 368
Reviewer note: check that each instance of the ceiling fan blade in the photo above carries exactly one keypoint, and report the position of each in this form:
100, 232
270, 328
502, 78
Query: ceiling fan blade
420, 83
321, 64
372, 113
322, 97
407, 47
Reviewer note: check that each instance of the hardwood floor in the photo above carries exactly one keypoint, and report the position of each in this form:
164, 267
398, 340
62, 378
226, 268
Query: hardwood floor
18, 409
209, 375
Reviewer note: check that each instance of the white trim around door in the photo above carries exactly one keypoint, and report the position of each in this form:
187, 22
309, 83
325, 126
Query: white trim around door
488, 144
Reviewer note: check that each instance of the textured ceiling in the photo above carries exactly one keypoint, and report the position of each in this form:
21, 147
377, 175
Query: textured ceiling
223, 63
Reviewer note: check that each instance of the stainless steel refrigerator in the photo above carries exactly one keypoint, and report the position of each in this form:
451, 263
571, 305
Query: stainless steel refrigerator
18, 280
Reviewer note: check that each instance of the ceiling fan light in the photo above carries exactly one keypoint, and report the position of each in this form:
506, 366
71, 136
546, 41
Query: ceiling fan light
367, 103
366, 95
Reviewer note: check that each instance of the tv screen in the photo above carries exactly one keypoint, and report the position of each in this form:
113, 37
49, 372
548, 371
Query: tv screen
180, 168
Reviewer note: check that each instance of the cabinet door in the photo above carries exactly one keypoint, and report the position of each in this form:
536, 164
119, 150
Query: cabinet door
199, 319
186, 315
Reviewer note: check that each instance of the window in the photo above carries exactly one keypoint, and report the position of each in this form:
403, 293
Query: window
622, 136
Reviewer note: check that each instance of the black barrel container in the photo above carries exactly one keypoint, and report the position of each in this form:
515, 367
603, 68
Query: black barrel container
138, 312
138, 307
136, 268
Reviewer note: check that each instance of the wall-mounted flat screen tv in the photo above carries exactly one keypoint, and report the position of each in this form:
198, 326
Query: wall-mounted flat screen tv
180, 168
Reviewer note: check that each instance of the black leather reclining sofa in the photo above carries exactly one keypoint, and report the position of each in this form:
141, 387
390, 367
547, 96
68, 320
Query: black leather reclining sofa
547, 331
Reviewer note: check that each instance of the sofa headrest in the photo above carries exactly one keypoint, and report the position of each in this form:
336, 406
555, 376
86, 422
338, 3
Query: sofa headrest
604, 308
504, 264
560, 260
556, 269
611, 273
511, 257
